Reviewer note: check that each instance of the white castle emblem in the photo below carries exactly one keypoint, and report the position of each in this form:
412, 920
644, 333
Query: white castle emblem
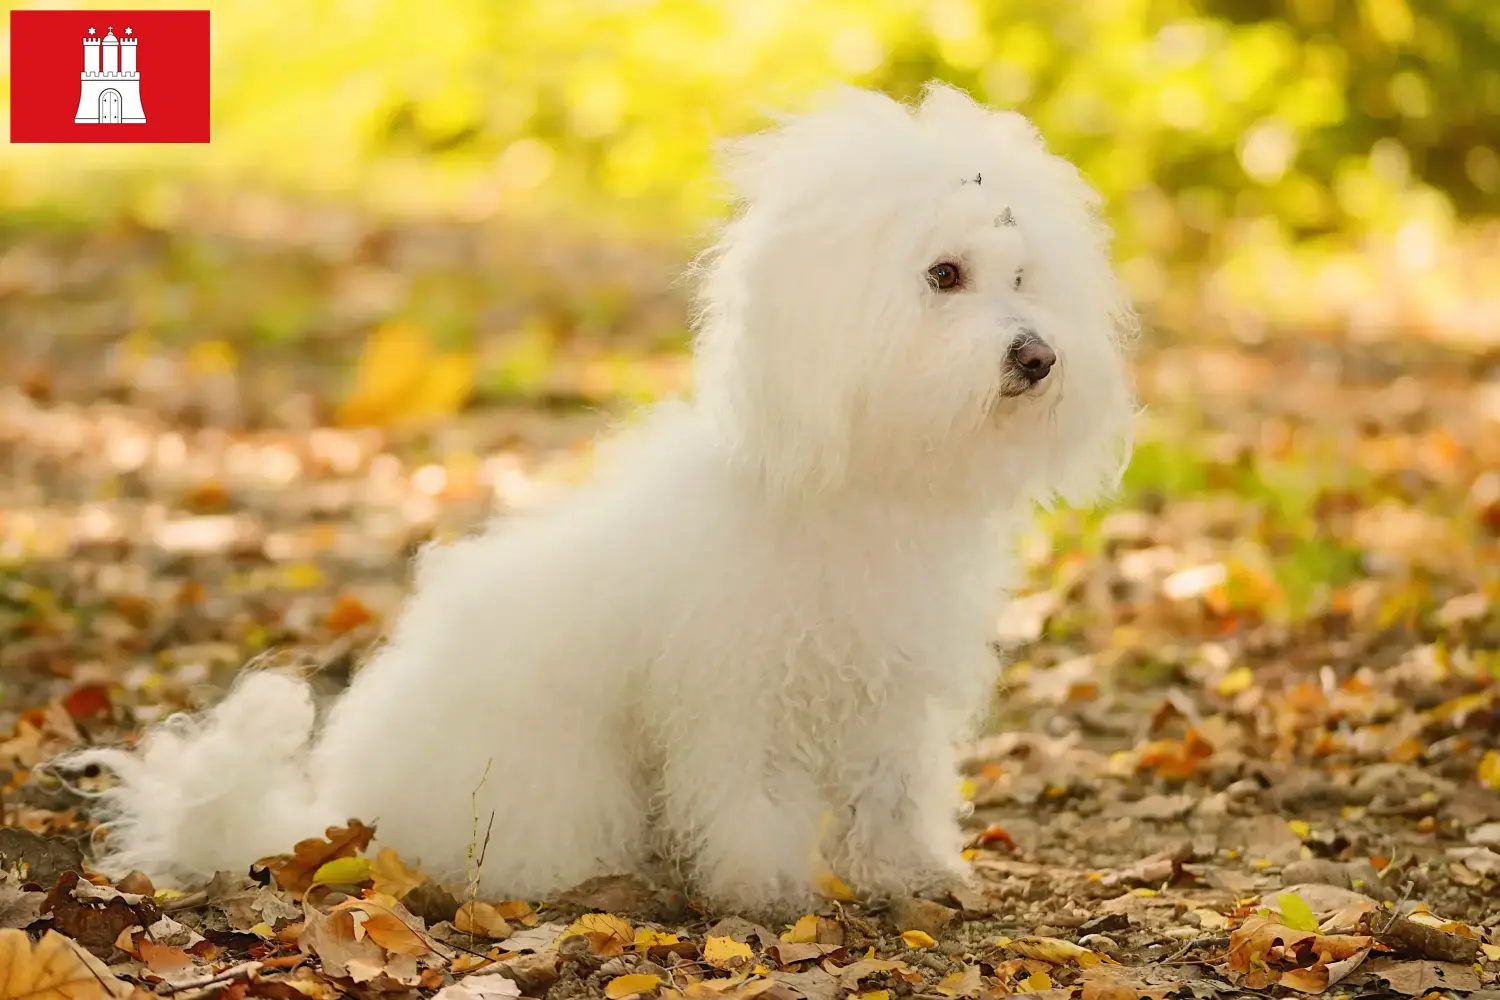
111, 91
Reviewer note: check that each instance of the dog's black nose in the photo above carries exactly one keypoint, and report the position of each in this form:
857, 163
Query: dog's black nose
1033, 357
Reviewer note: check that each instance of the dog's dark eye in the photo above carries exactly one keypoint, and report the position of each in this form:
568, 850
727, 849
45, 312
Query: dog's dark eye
944, 277
1019, 274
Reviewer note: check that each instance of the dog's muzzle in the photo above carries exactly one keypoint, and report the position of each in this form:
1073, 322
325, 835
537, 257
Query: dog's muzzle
1027, 364
1031, 357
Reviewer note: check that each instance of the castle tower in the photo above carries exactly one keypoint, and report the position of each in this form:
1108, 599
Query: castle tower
127, 53
91, 53
111, 52
111, 84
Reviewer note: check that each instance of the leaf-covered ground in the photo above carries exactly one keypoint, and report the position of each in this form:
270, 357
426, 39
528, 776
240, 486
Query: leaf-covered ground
1246, 739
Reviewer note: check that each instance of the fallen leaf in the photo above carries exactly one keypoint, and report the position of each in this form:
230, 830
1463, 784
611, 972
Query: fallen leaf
55, 969
608, 935
850, 975
387, 925
297, 872
834, 887
343, 871
917, 939
727, 953
1035, 983
1295, 913
1322, 974
804, 931
1489, 769
392, 876
347, 614
637, 982
19, 909
164, 960
483, 919
1418, 978
646, 939
1055, 950
964, 983
537, 938
482, 987
247, 905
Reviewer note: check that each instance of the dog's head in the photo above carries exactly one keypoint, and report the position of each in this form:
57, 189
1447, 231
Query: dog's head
919, 299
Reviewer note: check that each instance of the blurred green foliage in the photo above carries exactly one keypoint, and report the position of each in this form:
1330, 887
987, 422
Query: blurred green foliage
1219, 129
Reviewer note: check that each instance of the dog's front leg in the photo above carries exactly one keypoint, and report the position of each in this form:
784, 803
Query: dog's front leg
748, 827
896, 831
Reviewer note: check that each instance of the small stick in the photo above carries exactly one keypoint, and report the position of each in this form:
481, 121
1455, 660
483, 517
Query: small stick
233, 972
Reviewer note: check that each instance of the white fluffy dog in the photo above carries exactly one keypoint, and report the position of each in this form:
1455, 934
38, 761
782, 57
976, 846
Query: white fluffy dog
773, 605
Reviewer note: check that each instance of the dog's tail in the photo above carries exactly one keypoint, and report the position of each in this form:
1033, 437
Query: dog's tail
199, 795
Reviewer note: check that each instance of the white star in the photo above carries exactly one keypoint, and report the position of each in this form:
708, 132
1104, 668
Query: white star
127, 31
93, 32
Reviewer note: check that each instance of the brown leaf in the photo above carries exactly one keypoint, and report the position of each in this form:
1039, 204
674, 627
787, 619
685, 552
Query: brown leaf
1418, 978
164, 960
246, 905
482, 919
37, 859
56, 969
18, 908
95, 916
392, 876
608, 935
294, 872
347, 614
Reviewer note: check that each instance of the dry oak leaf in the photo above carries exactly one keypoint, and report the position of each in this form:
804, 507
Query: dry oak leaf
1262, 944
608, 935
964, 983
483, 919
297, 871
347, 949
56, 969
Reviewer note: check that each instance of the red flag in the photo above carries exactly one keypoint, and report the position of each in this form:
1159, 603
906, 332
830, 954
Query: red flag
109, 76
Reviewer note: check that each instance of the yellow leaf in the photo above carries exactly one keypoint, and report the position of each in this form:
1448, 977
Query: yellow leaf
443, 390
608, 934
646, 938
1035, 983
876, 995
57, 969
392, 876
1300, 828
726, 953
1489, 770
264, 931
966, 982
917, 939
481, 918
1237, 681
1211, 920
1295, 913
804, 931
394, 361
342, 871
834, 887
302, 576
637, 982
212, 357
1144, 893
1491, 951
1054, 950
968, 790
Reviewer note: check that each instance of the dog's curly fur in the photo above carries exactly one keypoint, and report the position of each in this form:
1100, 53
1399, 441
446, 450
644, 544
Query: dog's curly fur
774, 602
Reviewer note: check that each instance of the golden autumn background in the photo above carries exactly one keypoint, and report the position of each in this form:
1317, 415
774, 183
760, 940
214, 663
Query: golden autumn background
433, 247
